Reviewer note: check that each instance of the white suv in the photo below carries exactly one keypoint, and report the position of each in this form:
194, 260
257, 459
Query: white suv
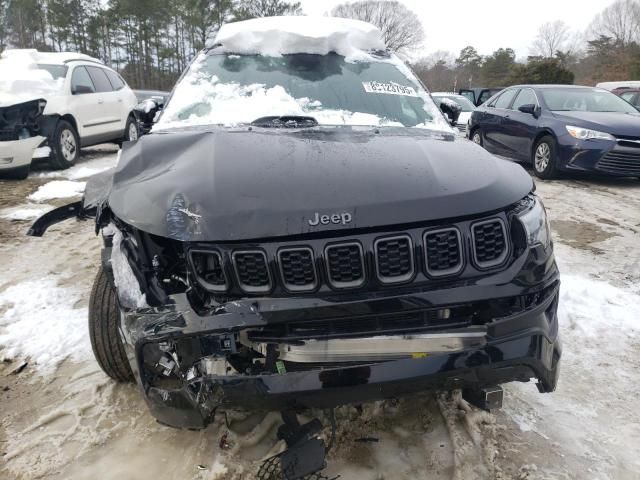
52, 104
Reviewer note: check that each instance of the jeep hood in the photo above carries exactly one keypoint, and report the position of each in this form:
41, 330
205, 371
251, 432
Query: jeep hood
227, 185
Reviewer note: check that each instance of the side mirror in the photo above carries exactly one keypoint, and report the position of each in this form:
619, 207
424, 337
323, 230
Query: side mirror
451, 110
529, 108
81, 90
147, 112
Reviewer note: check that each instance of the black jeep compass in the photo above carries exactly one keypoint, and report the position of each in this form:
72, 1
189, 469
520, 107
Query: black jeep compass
305, 230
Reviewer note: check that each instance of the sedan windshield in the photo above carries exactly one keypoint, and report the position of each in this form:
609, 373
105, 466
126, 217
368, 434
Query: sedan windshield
584, 100
226, 89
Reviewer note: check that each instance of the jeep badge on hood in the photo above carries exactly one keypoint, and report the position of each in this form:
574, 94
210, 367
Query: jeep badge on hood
335, 218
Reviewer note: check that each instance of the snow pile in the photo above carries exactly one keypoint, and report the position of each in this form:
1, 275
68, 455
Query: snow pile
276, 36
22, 80
57, 189
212, 102
40, 323
85, 169
29, 211
125, 280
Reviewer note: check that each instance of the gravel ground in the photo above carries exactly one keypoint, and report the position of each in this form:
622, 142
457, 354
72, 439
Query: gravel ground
69, 421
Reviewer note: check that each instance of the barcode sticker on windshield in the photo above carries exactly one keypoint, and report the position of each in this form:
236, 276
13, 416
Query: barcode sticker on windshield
389, 88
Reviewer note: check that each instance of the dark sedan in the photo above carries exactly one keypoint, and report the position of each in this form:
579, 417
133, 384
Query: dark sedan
561, 128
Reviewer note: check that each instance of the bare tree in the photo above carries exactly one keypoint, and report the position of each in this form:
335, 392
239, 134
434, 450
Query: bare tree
401, 28
266, 8
620, 21
552, 37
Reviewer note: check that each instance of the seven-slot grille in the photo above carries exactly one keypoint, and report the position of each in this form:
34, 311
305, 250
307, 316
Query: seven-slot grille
252, 270
490, 243
297, 268
345, 265
394, 259
443, 252
389, 259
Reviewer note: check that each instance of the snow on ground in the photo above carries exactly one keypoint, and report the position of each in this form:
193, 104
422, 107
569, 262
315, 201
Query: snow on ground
83, 169
28, 211
276, 36
39, 322
57, 189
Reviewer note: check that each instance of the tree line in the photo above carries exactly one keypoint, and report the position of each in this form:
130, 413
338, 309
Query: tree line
150, 42
609, 50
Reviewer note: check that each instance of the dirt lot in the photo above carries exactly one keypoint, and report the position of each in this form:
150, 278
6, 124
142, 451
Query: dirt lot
67, 420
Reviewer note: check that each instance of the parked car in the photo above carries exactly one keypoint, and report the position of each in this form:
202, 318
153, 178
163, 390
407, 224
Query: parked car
466, 107
561, 128
479, 95
619, 85
300, 230
150, 103
631, 95
52, 104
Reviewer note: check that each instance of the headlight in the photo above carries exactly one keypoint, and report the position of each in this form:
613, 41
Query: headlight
586, 134
536, 225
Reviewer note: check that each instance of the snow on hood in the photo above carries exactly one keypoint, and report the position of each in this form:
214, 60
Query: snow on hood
276, 36
22, 80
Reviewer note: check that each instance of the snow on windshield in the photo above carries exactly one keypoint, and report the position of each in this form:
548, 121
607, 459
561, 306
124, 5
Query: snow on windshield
202, 98
22, 80
275, 36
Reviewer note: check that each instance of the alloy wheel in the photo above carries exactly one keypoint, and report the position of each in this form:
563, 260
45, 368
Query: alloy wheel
133, 132
542, 157
68, 145
477, 139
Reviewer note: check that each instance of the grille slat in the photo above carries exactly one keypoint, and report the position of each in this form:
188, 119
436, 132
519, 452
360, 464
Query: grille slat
620, 163
489, 243
345, 265
209, 269
394, 259
443, 253
298, 270
252, 270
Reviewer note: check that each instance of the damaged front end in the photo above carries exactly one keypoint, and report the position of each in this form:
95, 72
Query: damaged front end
300, 319
23, 133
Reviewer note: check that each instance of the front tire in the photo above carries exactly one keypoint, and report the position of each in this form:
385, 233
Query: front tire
476, 137
104, 319
131, 132
544, 158
65, 146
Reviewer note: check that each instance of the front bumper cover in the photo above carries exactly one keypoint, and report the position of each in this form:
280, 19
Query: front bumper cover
517, 348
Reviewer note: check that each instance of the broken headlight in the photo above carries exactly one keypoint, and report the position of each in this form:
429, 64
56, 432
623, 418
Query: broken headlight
536, 225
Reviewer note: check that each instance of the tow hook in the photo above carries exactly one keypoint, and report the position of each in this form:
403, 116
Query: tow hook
485, 398
305, 453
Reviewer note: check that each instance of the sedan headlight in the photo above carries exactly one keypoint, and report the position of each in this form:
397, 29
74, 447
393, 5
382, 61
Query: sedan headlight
536, 224
586, 134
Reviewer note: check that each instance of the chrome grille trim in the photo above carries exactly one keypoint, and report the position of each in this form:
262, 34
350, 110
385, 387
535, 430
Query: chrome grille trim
298, 288
339, 284
251, 288
505, 253
449, 271
202, 281
401, 278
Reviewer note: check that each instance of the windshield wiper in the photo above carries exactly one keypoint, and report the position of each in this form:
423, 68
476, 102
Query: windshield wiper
285, 121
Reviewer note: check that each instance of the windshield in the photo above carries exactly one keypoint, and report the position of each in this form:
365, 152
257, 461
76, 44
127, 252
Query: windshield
56, 71
233, 89
584, 100
464, 102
